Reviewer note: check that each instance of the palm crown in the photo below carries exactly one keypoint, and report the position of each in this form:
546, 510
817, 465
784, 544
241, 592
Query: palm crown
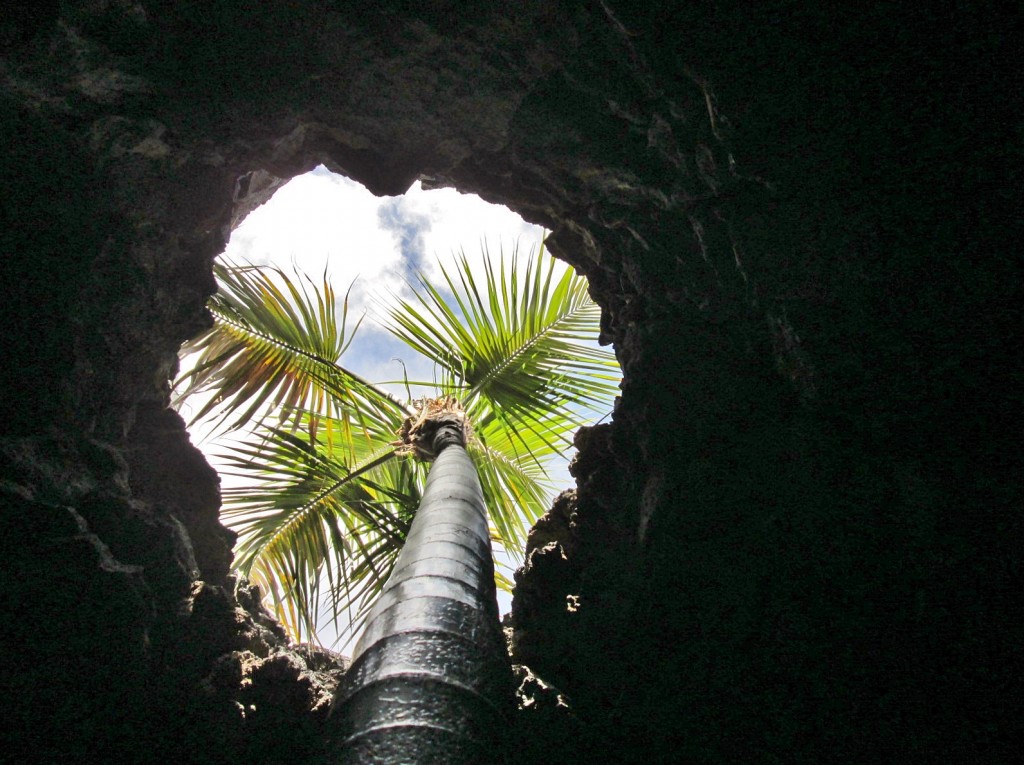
327, 495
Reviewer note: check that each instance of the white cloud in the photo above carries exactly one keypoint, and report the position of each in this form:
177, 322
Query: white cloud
320, 220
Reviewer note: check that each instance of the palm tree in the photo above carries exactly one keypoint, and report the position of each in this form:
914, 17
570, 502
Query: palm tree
331, 499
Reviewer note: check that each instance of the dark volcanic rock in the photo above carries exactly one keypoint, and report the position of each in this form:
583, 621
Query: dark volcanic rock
797, 538
165, 466
73, 654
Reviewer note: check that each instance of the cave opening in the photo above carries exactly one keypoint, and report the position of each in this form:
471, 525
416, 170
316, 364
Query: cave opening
324, 224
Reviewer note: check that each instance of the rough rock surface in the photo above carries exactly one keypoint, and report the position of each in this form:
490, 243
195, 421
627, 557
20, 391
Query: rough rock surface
797, 538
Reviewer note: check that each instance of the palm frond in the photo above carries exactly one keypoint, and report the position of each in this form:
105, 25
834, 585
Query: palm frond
275, 346
305, 517
524, 343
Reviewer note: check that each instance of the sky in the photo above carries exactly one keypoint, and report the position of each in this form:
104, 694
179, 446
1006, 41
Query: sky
376, 244
322, 221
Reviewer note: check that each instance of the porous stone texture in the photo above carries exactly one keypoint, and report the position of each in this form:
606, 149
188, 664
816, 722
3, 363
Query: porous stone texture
797, 537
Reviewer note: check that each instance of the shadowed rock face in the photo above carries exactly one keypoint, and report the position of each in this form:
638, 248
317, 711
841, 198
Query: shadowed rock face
795, 540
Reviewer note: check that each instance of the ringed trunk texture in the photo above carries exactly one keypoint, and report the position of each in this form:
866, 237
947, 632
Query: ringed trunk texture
430, 680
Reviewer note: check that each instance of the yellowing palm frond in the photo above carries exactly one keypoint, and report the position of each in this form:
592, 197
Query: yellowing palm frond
305, 517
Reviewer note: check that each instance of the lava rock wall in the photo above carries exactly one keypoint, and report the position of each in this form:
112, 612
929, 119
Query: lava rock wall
795, 540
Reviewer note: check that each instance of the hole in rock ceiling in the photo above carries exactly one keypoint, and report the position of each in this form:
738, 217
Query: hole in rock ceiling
370, 248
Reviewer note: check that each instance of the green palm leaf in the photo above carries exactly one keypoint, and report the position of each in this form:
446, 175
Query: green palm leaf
525, 344
305, 517
275, 344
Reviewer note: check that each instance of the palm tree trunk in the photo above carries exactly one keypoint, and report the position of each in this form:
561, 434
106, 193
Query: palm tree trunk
430, 680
